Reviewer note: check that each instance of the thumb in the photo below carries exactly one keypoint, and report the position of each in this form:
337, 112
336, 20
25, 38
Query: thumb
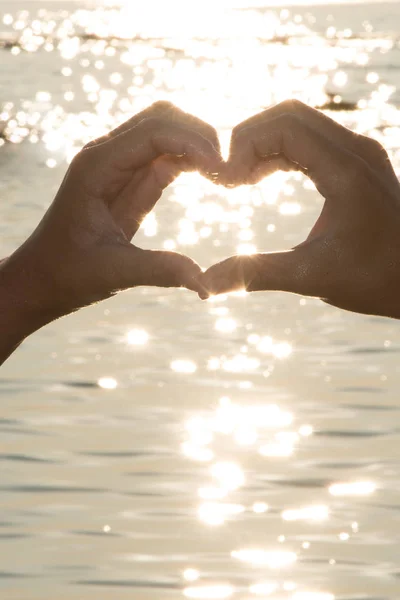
289, 271
158, 268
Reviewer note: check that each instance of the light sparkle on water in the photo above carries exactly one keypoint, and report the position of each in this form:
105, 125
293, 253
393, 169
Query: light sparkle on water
137, 337
212, 592
108, 383
115, 81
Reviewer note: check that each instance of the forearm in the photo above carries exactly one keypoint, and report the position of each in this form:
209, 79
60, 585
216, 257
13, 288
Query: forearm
23, 306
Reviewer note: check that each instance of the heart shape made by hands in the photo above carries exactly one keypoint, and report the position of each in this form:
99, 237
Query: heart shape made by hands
350, 259
81, 251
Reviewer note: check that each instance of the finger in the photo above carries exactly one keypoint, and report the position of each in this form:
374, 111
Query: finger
117, 159
335, 171
268, 167
146, 190
179, 117
155, 110
171, 113
365, 147
137, 267
291, 271
255, 174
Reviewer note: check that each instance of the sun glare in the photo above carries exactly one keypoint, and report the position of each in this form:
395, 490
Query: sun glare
239, 450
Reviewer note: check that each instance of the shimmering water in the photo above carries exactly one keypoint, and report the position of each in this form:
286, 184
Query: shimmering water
158, 447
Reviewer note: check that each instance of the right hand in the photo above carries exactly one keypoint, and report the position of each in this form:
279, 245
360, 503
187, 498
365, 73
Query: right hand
351, 259
81, 252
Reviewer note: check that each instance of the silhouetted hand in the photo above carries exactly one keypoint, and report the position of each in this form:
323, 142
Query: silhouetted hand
351, 258
82, 246
81, 252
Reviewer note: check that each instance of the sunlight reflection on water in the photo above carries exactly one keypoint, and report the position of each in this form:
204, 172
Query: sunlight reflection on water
242, 451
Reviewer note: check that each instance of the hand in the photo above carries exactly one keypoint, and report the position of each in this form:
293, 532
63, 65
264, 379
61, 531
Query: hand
351, 258
81, 252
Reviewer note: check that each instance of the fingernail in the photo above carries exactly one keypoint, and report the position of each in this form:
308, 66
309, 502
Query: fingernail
203, 295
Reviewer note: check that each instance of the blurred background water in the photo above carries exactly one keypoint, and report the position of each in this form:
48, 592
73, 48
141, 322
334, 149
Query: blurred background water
156, 446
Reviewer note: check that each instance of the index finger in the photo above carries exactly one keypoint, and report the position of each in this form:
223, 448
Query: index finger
366, 148
150, 139
168, 111
334, 169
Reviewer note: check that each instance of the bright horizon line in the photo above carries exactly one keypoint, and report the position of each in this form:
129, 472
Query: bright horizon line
227, 3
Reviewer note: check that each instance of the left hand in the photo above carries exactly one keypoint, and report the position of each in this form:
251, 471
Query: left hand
351, 259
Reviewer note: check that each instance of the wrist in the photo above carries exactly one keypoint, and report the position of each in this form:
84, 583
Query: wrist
25, 303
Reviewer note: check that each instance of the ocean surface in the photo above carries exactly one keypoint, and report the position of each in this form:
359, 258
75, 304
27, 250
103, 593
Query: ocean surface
158, 447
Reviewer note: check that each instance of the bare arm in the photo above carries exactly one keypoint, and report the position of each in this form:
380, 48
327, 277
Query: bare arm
21, 311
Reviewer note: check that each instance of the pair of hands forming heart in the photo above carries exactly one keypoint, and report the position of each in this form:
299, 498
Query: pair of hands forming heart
81, 252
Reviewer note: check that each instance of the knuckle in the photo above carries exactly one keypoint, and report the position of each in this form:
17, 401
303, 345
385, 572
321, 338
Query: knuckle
82, 156
374, 149
85, 162
162, 106
212, 134
88, 146
240, 136
292, 105
237, 131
